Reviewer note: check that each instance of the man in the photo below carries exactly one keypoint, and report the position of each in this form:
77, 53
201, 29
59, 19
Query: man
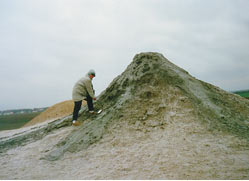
83, 90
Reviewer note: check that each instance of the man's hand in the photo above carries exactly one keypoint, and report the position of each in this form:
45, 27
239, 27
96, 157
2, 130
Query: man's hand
94, 98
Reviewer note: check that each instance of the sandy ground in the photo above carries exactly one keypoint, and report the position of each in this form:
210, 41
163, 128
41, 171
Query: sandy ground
179, 150
54, 112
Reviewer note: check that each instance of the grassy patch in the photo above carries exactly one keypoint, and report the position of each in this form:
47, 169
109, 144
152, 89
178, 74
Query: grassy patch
15, 121
243, 93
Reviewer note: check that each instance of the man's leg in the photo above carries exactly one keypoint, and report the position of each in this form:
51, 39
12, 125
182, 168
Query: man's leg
89, 102
77, 106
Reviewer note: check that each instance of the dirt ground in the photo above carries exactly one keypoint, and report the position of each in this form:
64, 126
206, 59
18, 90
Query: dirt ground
175, 151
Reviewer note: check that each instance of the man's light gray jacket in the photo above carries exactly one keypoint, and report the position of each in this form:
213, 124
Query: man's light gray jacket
82, 88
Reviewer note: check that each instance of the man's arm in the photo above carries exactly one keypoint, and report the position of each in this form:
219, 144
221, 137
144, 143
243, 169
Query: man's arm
89, 88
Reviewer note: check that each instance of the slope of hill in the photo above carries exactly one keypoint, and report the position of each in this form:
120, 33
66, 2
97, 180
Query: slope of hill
158, 122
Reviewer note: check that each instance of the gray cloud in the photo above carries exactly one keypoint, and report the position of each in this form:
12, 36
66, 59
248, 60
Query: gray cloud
46, 45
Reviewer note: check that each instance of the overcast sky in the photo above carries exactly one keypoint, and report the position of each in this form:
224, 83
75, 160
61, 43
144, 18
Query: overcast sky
47, 45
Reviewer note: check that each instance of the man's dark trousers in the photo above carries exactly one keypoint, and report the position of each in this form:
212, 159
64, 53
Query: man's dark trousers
77, 106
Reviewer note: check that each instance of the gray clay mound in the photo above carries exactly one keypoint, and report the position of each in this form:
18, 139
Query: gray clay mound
144, 96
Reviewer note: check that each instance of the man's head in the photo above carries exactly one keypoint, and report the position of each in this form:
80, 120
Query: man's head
91, 73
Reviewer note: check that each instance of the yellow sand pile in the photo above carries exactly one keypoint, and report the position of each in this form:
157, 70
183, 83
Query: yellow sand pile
54, 112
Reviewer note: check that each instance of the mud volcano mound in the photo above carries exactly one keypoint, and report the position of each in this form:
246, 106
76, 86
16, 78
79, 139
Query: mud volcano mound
158, 122
155, 97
